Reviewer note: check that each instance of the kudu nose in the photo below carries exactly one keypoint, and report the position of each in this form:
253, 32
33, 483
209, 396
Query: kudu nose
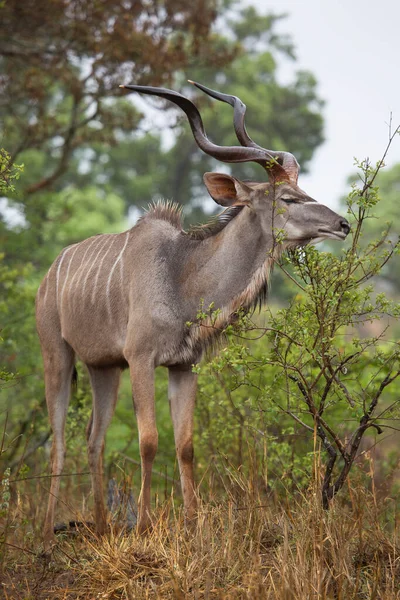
345, 226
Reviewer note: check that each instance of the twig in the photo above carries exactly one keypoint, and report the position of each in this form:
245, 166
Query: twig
20, 548
48, 476
31, 450
136, 462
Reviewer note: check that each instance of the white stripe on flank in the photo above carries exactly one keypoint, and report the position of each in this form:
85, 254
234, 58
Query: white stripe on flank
100, 248
119, 258
47, 287
47, 284
78, 269
59, 269
99, 269
66, 276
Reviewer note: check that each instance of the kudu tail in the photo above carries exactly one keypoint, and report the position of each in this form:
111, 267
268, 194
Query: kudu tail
74, 380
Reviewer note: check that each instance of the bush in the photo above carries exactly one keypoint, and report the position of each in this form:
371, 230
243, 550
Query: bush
325, 371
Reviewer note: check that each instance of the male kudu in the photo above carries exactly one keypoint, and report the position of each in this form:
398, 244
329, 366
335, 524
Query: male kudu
125, 300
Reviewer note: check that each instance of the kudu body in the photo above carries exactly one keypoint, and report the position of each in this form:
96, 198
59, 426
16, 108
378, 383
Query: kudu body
125, 300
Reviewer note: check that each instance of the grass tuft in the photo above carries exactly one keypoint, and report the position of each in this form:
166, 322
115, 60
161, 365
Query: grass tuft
245, 547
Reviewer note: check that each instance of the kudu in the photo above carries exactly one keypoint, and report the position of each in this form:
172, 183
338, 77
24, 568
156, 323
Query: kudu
126, 300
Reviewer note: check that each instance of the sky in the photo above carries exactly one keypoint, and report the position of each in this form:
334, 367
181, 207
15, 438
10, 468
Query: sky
353, 49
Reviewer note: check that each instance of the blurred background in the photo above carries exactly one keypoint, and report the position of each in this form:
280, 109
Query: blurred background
319, 80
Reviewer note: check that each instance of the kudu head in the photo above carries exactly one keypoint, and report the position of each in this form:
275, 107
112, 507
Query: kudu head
280, 204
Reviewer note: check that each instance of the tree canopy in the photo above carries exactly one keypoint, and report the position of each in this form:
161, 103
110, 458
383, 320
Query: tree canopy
64, 61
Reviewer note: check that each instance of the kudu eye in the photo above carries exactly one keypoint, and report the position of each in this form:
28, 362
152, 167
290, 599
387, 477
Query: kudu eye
289, 200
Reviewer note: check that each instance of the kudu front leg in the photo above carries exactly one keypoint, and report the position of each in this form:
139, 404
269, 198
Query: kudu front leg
142, 377
105, 384
182, 387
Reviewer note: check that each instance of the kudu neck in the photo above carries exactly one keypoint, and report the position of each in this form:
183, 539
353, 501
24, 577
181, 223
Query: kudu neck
222, 266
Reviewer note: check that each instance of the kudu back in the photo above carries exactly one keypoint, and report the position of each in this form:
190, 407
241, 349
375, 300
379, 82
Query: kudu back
125, 300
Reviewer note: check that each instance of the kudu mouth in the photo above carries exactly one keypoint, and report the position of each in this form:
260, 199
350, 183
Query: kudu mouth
324, 234
334, 235
337, 234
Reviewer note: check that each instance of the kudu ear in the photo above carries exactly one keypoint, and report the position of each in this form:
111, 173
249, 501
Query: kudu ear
226, 190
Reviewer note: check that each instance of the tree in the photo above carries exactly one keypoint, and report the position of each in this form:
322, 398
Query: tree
62, 63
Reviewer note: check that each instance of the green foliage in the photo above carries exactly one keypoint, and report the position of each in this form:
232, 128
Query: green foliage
326, 362
382, 223
12, 297
9, 172
62, 64
9, 277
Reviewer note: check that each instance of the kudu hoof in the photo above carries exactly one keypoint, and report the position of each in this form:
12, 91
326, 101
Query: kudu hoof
73, 527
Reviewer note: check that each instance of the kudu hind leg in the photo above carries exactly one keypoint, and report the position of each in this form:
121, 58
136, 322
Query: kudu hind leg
58, 370
105, 384
182, 386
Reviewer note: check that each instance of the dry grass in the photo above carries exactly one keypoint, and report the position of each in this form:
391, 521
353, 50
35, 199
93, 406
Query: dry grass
247, 548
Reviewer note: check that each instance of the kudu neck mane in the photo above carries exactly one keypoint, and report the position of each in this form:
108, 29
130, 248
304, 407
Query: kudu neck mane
172, 213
